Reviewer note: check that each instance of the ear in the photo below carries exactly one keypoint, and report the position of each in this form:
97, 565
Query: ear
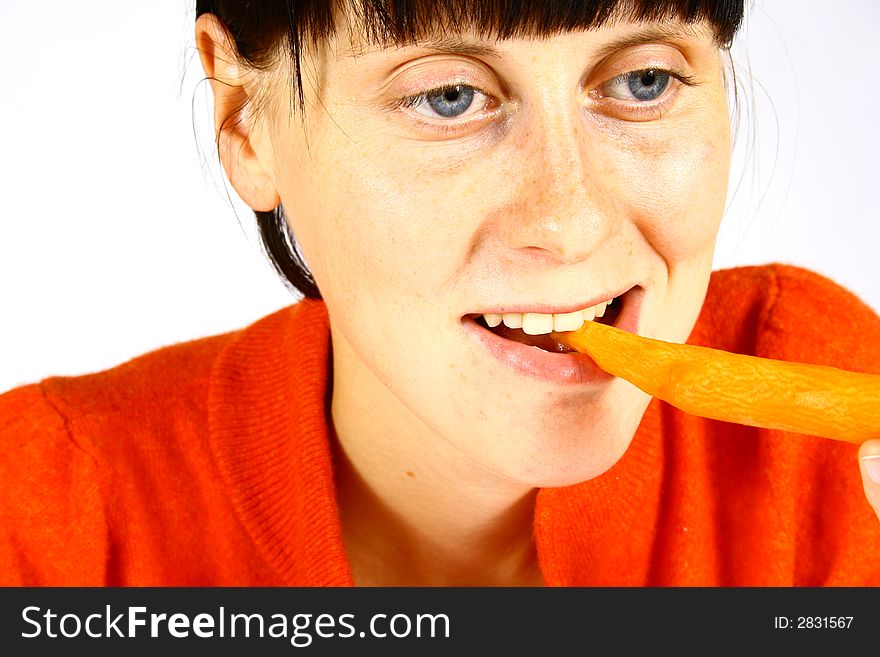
243, 146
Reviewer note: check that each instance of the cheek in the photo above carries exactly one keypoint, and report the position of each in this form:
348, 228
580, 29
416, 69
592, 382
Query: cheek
683, 185
352, 226
380, 228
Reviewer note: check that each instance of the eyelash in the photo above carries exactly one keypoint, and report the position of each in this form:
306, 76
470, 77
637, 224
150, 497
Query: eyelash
448, 127
411, 101
445, 128
685, 79
640, 110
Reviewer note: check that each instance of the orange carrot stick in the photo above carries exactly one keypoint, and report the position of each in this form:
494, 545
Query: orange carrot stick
759, 392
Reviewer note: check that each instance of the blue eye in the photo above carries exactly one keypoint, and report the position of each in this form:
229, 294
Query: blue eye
643, 86
451, 102
448, 102
647, 85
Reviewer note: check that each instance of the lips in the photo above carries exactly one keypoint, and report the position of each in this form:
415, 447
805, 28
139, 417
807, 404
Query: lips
526, 331
543, 358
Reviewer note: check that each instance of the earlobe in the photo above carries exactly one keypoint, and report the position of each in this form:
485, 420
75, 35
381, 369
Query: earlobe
242, 146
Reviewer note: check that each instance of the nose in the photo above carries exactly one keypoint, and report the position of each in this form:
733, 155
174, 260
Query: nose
564, 206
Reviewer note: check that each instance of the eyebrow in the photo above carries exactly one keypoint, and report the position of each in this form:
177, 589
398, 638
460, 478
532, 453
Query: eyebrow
667, 33
442, 44
458, 46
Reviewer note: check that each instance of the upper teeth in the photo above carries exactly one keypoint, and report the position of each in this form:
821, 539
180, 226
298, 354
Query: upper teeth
539, 323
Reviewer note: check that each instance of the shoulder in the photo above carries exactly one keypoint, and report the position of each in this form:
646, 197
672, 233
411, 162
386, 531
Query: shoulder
61, 441
144, 393
41, 423
151, 393
76, 448
806, 500
50, 487
790, 313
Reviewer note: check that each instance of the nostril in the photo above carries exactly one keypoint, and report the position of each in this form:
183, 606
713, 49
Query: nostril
563, 239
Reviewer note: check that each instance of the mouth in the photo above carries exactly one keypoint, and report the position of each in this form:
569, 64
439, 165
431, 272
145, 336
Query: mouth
523, 340
535, 329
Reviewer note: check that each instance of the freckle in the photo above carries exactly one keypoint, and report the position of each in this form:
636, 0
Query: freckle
410, 473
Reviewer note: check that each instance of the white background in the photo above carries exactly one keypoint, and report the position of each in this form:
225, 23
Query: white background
117, 235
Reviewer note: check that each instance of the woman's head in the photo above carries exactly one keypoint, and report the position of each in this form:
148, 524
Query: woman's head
442, 161
267, 32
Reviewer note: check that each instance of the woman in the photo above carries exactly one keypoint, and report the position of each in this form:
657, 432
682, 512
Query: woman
461, 178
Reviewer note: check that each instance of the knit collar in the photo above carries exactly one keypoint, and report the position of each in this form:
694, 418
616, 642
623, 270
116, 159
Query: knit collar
269, 436
268, 432
598, 533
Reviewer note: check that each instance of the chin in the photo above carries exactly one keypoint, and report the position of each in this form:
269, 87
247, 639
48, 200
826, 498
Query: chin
577, 461
575, 457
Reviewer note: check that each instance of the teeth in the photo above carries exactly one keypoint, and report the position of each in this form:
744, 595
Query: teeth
492, 319
568, 321
537, 324
540, 323
512, 320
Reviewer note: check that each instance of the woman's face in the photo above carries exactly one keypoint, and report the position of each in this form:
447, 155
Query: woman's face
554, 174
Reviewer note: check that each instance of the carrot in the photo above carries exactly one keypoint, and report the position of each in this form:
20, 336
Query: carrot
759, 392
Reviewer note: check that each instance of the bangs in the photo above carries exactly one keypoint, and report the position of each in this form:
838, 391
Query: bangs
386, 23
404, 22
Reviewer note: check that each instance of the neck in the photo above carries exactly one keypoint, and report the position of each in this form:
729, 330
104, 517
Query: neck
415, 510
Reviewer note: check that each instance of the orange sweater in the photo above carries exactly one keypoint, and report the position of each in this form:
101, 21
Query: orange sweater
208, 463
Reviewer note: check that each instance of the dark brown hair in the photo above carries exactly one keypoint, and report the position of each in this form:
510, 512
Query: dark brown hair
260, 28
